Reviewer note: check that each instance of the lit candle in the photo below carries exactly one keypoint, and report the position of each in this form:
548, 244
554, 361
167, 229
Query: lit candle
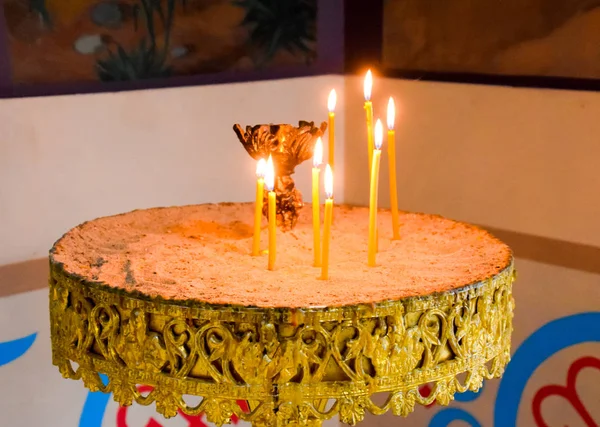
331, 101
374, 189
258, 205
327, 225
317, 160
270, 184
391, 115
368, 85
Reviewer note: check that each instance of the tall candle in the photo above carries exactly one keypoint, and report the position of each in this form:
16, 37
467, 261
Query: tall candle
270, 184
327, 224
258, 205
317, 160
373, 194
367, 87
391, 115
331, 101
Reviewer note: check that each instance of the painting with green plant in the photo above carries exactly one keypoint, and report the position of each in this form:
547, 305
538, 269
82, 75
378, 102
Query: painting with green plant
52, 41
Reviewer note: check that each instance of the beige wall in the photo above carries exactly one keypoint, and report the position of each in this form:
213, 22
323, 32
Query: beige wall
518, 159
68, 159
525, 160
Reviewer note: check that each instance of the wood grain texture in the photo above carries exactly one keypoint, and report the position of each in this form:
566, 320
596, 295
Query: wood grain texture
23, 276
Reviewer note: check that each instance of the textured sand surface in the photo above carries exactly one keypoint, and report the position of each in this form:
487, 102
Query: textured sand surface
203, 253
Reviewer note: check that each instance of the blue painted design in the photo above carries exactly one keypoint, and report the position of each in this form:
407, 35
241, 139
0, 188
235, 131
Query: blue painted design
468, 396
446, 416
94, 407
540, 346
12, 350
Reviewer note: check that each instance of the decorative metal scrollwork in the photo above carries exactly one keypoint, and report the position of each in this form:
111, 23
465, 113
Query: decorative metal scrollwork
292, 367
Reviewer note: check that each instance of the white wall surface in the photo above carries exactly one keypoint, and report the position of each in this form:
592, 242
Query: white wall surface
69, 159
525, 160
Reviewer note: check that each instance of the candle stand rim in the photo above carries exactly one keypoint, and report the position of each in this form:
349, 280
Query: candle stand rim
58, 268
82, 315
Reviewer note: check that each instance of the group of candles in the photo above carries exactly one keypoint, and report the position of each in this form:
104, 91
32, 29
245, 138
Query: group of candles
375, 142
265, 173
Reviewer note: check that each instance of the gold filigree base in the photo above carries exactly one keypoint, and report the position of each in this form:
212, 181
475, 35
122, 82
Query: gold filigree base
288, 367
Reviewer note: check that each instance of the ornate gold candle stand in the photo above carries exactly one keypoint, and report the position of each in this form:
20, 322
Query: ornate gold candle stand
291, 366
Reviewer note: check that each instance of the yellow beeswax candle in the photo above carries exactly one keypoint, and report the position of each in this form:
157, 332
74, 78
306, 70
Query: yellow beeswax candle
391, 115
331, 101
317, 160
373, 195
270, 184
328, 220
367, 88
258, 205
272, 230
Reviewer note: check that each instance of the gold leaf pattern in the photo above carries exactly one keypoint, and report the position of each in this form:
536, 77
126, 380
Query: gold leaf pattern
352, 411
443, 394
166, 402
403, 403
123, 392
218, 411
283, 363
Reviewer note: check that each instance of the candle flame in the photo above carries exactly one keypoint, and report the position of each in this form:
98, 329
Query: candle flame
368, 86
378, 134
261, 167
318, 153
391, 113
270, 174
331, 101
328, 182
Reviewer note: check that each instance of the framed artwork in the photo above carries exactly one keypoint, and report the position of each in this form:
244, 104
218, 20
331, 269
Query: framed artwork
143, 43
539, 43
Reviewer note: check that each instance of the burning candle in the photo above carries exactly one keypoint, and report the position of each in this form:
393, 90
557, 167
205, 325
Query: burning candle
258, 205
391, 115
331, 101
367, 87
373, 195
328, 219
317, 160
270, 184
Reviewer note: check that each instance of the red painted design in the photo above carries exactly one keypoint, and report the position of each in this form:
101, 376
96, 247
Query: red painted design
425, 391
568, 392
244, 407
193, 421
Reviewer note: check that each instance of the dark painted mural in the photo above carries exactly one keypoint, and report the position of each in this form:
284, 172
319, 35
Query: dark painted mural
57, 41
546, 38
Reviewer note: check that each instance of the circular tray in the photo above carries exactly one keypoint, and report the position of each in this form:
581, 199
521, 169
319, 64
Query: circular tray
280, 366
